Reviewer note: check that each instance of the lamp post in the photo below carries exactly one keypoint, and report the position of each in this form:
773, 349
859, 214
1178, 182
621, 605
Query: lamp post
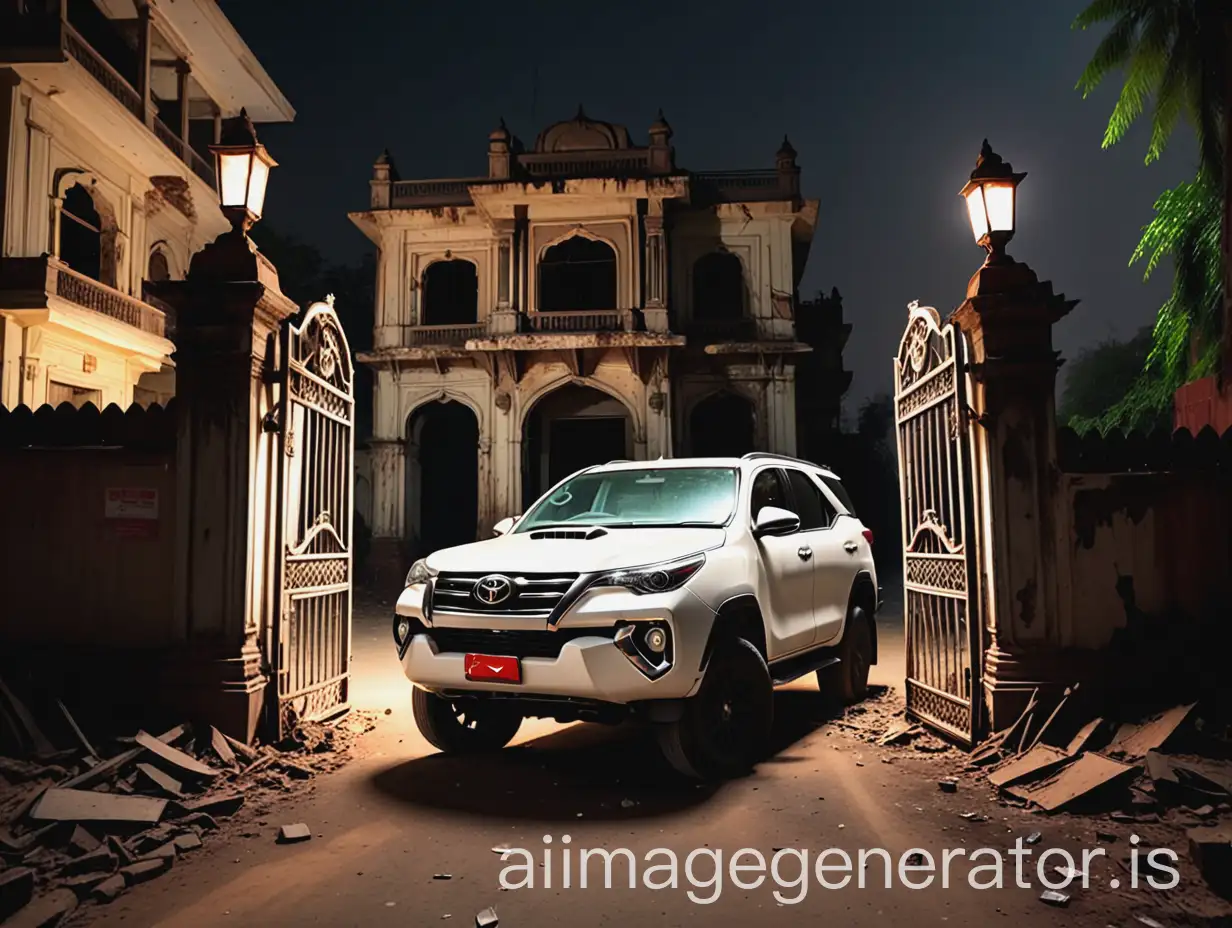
991, 194
242, 166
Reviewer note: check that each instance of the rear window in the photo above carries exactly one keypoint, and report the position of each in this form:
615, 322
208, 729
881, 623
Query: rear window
835, 486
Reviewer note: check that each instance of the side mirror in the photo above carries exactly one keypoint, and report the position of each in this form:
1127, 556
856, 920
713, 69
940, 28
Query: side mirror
503, 526
774, 521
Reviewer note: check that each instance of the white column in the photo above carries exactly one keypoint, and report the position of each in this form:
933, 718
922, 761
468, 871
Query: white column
388, 483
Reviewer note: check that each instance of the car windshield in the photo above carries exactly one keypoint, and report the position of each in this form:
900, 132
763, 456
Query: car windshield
664, 496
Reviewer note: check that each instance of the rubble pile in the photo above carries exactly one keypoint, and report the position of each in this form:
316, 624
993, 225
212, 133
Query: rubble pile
84, 824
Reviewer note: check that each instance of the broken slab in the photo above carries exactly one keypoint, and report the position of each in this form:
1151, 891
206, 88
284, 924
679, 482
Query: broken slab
45, 911
85, 884
164, 782
487, 918
1078, 743
292, 834
1210, 848
82, 842
219, 804
1137, 739
102, 860
147, 869
187, 842
109, 890
16, 890
76, 805
101, 771
185, 763
163, 850
1084, 775
1039, 759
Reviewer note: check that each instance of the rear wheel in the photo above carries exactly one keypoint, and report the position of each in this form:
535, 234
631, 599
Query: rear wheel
848, 682
466, 726
725, 728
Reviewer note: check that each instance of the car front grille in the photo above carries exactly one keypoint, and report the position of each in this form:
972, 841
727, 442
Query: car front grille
518, 643
534, 595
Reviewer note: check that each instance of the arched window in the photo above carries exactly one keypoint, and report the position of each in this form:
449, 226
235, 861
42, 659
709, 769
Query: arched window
718, 287
450, 294
577, 274
159, 269
81, 233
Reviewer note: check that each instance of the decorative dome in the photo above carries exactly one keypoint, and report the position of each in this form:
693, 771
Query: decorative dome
582, 133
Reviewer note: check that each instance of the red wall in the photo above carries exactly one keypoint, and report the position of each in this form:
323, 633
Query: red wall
1202, 403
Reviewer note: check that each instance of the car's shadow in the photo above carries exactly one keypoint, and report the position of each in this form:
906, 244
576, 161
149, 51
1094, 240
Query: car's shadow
595, 771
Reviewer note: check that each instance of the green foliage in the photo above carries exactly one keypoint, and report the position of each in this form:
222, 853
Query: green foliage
1171, 52
1100, 376
1186, 335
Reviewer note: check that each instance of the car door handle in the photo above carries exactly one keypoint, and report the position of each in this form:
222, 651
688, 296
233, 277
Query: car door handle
805, 552
851, 547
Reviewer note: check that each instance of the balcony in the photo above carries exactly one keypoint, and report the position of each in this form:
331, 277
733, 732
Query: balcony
443, 336
36, 283
613, 320
35, 42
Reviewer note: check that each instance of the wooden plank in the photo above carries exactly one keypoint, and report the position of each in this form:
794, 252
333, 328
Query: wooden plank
82, 805
101, 771
1079, 741
85, 742
1087, 773
174, 756
1137, 740
1040, 758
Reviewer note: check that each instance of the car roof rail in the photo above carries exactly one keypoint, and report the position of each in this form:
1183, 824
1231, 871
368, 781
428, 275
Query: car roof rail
766, 455
618, 461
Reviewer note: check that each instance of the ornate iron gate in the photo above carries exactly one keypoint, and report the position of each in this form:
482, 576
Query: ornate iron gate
944, 627
312, 633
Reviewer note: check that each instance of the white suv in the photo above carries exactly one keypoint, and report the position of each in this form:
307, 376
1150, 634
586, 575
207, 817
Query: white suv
676, 591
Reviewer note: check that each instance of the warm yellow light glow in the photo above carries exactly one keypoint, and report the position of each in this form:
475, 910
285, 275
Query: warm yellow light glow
256, 186
979, 218
999, 201
233, 178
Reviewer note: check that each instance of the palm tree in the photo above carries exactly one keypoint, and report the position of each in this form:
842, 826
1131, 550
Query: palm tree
1174, 51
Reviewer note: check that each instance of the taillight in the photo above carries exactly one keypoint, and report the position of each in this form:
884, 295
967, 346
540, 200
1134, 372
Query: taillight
868, 536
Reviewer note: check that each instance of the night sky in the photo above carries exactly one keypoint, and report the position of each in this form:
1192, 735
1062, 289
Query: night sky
887, 104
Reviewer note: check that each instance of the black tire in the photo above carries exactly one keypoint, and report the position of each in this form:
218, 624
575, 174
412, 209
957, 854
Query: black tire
725, 729
468, 727
848, 682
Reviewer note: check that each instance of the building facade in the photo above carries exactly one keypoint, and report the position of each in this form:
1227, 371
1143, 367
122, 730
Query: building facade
586, 300
107, 109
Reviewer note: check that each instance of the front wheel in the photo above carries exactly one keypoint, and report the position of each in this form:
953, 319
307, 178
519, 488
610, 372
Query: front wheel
848, 682
463, 727
725, 728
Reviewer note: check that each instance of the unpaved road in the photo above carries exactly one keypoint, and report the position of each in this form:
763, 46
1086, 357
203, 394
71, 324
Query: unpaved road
399, 815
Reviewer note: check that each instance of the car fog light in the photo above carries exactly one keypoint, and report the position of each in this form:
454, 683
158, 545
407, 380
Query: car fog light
404, 630
656, 640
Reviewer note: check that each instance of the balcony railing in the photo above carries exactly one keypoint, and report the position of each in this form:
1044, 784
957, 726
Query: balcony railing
29, 283
39, 37
735, 186
585, 164
608, 320
455, 192
438, 336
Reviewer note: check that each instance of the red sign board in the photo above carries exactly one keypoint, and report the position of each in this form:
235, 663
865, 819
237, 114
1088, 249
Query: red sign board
497, 669
131, 512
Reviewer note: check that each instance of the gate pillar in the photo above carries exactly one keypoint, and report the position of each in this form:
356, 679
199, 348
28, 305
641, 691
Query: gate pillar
1008, 317
228, 314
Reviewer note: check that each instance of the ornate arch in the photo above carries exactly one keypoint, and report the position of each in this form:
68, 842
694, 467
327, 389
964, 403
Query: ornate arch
528, 405
442, 395
578, 231
175, 267
111, 250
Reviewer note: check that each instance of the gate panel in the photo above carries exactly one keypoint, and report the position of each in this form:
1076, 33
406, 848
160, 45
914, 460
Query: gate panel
315, 498
944, 628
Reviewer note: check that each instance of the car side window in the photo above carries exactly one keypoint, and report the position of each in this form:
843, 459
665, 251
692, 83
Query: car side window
768, 490
811, 505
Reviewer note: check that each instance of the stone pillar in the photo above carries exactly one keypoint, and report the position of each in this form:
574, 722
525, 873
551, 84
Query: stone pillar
229, 312
1007, 318
655, 302
388, 551
788, 170
182, 72
144, 64
499, 155
504, 318
384, 173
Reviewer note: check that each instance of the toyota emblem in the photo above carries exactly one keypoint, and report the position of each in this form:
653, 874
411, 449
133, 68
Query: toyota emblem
493, 589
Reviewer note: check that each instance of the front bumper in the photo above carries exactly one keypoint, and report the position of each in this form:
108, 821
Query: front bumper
586, 666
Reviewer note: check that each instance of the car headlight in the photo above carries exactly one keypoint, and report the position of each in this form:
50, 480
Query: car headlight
654, 578
420, 572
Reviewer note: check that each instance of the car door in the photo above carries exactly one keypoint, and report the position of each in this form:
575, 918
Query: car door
833, 566
787, 571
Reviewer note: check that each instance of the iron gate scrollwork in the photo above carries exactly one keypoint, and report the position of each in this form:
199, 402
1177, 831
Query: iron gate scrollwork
312, 633
944, 626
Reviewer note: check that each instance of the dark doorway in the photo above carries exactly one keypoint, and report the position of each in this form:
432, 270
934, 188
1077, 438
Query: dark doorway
569, 429
442, 477
718, 287
721, 426
577, 274
450, 294
81, 233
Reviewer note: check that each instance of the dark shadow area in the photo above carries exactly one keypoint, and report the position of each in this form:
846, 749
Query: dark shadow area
577, 274
722, 425
81, 233
450, 294
718, 287
587, 769
442, 477
569, 429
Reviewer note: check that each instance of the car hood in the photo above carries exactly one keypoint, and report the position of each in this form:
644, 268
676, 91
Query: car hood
618, 548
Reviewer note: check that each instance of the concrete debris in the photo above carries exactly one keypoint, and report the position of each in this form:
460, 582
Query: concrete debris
185, 763
292, 834
109, 889
77, 805
218, 741
164, 783
1136, 740
187, 842
1147, 921
442, 876
1210, 848
102, 860
487, 918
82, 842
1052, 897
16, 890
45, 911
1034, 837
220, 804
145, 870
948, 785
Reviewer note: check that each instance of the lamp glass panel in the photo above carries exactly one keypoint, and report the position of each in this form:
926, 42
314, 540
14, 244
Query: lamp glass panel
999, 201
256, 187
979, 216
233, 178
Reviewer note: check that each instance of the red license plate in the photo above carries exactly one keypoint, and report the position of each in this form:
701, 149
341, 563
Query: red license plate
487, 667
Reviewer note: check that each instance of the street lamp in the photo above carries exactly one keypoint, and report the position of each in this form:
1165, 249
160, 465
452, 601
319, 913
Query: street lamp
242, 166
991, 196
